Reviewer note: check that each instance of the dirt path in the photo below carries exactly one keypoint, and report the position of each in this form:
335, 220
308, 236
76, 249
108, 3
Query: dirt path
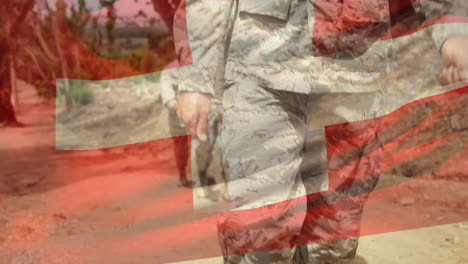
72, 206
72, 219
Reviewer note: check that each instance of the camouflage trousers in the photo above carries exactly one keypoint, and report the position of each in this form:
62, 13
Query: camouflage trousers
264, 141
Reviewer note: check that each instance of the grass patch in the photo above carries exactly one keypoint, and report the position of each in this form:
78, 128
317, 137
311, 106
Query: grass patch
81, 94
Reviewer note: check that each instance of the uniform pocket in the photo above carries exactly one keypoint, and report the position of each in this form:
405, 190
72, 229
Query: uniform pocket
274, 8
230, 95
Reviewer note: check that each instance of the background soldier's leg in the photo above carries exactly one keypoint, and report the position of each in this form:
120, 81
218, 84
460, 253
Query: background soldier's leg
202, 153
181, 147
262, 141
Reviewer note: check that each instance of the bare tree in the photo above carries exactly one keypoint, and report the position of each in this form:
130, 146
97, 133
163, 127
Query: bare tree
63, 68
166, 10
13, 15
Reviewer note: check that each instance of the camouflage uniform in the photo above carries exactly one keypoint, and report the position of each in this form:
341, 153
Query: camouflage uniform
202, 152
287, 79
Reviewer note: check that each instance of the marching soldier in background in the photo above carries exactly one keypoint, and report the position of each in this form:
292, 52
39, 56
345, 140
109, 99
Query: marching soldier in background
176, 128
201, 152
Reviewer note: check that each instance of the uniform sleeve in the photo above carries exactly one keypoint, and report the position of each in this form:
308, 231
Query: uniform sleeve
446, 18
168, 83
206, 24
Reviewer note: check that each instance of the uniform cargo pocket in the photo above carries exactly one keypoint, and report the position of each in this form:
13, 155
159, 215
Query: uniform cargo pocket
274, 8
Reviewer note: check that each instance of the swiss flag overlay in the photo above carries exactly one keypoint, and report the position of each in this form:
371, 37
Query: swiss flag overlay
129, 193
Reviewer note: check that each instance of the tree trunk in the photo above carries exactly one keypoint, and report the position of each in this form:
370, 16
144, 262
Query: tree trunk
7, 113
166, 11
42, 42
7, 44
63, 67
38, 66
14, 88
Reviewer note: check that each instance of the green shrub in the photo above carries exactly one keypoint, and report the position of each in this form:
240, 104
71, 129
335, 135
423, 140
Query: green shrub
104, 83
153, 77
81, 94
135, 79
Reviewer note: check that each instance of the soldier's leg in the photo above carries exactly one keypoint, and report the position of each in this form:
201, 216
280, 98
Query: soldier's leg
332, 224
204, 151
262, 141
181, 147
202, 154
196, 182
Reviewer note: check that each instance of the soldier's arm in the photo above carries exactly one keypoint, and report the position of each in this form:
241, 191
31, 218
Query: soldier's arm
206, 29
168, 84
449, 30
207, 22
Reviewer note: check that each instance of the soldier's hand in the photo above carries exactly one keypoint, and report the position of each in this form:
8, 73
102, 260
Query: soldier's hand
193, 109
454, 54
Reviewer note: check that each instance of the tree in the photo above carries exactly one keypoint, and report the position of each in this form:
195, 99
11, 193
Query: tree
166, 10
13, 15
110, 24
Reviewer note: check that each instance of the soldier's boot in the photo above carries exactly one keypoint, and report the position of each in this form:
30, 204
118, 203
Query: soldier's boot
183, 181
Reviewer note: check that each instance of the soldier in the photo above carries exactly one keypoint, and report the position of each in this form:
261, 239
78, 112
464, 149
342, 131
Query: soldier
177, 128
202, 152
283, 58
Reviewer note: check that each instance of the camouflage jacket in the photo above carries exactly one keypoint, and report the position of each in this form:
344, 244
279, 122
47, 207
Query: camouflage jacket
170, 81
301, 45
